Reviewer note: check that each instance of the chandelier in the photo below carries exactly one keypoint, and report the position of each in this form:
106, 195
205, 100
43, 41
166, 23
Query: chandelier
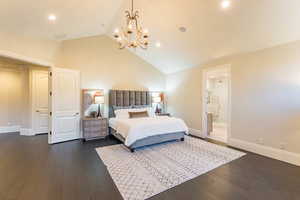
133, 35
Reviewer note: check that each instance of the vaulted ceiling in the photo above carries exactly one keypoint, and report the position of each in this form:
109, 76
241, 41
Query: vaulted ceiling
75, 18
212, 31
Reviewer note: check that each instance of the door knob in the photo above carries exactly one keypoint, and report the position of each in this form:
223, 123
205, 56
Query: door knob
37, 111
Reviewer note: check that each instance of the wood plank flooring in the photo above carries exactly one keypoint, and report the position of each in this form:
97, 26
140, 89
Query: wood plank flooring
30, 169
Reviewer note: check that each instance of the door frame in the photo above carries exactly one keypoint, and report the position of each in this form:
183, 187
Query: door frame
32, 98
205, 74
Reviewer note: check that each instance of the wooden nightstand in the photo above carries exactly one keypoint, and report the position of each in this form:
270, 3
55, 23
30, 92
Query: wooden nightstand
163, 114
94, 128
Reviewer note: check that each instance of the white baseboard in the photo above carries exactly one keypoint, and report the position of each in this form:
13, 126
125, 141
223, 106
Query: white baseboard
26, 132
196, 132
9, 129
220, 139
278, 154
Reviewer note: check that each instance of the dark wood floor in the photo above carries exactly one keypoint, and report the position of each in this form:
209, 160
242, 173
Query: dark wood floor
30, 169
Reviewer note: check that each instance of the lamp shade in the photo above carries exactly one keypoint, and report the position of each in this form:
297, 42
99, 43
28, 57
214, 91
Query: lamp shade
156, 99
99, 99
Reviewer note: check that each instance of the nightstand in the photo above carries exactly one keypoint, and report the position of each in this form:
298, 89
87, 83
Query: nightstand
94, 128
163, 114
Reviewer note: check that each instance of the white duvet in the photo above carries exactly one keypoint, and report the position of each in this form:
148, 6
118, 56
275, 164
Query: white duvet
140, 128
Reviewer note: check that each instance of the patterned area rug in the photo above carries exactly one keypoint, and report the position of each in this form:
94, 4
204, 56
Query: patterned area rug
152, 170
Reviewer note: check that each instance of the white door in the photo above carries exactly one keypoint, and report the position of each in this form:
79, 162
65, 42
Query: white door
40, 102
65, 105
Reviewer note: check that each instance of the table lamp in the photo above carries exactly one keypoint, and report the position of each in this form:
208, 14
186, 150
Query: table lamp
157, 100
99, 99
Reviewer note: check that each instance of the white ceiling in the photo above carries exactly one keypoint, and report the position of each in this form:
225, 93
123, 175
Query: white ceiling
75, 18
212, 32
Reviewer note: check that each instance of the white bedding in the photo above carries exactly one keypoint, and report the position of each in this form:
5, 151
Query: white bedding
113, 123
139, 128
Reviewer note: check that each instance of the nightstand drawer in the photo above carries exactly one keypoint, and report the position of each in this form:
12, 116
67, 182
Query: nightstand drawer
95, 128
95, 134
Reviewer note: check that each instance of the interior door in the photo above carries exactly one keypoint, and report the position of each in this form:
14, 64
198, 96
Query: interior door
40, 102
65, 105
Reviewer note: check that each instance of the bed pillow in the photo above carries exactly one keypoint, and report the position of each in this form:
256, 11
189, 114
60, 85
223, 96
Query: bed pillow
151, 111
124, 113
138, 114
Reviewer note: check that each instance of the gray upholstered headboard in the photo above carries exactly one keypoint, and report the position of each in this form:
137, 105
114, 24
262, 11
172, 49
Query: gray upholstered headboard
119, 99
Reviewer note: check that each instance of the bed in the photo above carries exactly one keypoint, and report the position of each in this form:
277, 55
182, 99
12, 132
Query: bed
140, 132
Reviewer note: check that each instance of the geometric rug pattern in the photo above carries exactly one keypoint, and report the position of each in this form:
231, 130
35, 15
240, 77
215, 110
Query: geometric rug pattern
151, 170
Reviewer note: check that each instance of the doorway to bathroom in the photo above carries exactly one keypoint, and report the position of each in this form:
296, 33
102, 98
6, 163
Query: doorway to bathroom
217, 103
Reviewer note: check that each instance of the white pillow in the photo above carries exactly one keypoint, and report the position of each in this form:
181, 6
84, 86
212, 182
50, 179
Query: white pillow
122, 113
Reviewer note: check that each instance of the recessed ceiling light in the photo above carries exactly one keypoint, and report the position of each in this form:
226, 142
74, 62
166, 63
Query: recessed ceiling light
225, 3
52, 17
182, 29
158, 44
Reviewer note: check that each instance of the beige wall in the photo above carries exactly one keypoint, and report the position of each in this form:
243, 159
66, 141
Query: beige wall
101, 63
13, 94
265, 84
29, 47
104, 66
265, 95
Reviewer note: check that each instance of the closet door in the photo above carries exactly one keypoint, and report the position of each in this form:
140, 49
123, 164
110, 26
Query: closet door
40, 102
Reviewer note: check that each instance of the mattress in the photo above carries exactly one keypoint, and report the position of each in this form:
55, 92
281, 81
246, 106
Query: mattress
139, 128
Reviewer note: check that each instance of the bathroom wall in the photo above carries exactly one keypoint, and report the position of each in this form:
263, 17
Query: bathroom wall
218, 95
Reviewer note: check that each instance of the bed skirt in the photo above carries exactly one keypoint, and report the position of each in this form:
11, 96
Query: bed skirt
156, 139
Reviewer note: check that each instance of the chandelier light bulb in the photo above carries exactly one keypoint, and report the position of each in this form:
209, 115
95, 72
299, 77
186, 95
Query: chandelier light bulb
129, 31
116, 33
158, 44
145, 32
